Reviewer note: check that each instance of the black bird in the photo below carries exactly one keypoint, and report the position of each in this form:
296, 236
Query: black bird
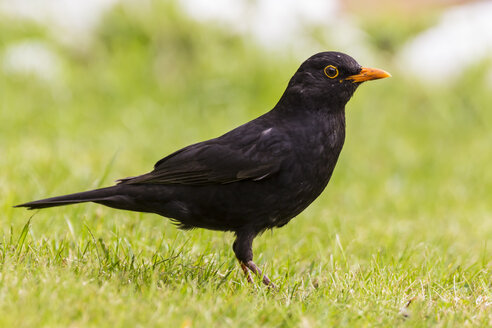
256, 177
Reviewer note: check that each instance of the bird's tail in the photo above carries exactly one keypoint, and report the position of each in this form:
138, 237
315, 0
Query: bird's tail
96, 195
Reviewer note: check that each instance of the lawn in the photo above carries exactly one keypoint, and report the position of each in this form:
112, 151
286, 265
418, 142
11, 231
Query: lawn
400, 237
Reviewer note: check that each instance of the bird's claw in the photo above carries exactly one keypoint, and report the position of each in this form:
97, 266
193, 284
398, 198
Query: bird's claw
251, 266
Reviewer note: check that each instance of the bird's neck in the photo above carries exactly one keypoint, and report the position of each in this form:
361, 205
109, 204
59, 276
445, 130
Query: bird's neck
296, 101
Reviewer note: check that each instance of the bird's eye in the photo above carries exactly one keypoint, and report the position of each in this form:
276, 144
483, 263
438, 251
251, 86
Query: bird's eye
331, 71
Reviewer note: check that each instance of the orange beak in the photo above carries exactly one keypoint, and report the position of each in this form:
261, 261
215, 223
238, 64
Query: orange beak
367, 74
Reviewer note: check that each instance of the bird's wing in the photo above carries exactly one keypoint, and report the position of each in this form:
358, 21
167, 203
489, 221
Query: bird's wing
219, 161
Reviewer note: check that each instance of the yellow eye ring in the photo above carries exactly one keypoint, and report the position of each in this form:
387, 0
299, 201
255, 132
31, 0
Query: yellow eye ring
329, 71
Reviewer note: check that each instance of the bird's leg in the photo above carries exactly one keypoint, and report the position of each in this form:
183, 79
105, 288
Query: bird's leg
246, 272
243, 249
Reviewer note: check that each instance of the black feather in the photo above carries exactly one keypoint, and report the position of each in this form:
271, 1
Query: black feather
255, 177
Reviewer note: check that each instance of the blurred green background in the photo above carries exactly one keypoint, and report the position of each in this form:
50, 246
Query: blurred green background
407, 215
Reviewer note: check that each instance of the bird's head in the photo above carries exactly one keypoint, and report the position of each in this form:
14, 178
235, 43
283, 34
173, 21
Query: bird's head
329, 78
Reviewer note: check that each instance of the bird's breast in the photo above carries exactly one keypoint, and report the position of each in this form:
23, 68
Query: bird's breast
309, 168
320, 145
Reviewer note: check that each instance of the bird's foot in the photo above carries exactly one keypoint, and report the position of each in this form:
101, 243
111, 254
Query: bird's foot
251, 266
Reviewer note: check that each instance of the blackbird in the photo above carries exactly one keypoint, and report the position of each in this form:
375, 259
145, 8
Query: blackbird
258, 176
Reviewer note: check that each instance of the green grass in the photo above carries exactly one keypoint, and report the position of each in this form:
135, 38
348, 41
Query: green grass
401, 236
